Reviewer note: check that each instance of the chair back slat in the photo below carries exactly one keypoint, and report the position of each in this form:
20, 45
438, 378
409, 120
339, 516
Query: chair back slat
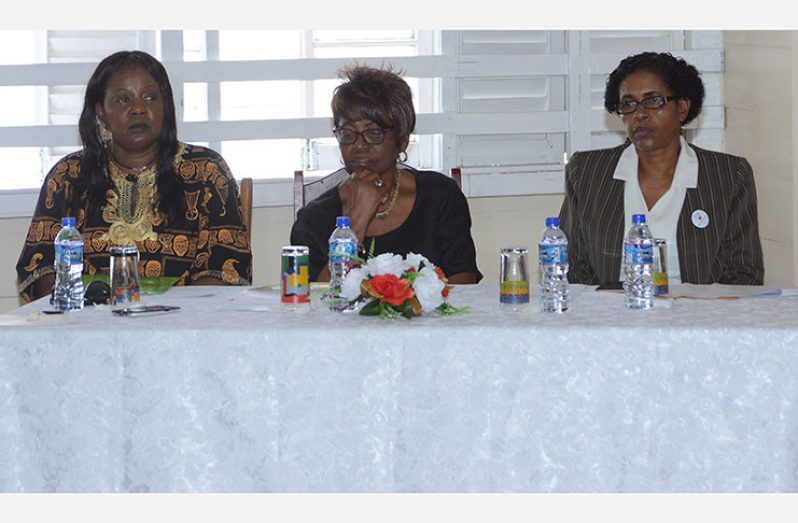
457, 176
245, 202
307, 192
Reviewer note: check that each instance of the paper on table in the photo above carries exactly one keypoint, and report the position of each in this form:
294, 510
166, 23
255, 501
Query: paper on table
34, 318
265, 299
315, 287
192, 292
718, 291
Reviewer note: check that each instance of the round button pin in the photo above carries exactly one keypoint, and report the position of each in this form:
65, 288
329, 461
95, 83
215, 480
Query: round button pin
700, 219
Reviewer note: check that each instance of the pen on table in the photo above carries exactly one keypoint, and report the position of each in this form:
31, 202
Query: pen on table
144, 309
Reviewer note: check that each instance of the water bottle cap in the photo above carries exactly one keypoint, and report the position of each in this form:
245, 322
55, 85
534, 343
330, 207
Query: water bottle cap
342, 221
552, 221
638, 218
68, 221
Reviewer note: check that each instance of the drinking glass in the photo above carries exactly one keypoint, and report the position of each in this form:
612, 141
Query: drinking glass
125, 290
514, 276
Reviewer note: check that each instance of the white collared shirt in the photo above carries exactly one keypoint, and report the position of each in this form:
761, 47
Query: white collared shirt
663, 218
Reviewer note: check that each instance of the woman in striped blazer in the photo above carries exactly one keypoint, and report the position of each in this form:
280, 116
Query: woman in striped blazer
702, 202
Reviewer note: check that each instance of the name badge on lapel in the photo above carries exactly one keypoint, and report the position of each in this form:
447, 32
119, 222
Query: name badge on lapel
700, 219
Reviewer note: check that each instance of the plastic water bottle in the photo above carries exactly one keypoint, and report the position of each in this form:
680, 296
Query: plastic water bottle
68, 293
343, 248
638, 257
553, 256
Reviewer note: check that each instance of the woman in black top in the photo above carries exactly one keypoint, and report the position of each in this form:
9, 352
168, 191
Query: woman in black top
391, 209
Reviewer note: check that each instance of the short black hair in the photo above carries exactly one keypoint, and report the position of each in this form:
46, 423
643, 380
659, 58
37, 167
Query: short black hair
680, 77
379, 95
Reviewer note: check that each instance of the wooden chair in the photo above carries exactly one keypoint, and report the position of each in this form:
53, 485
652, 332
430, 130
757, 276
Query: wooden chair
457, 176
245, 203
306, 192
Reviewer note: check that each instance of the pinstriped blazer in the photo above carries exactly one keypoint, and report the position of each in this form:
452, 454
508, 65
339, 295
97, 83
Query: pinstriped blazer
728, 250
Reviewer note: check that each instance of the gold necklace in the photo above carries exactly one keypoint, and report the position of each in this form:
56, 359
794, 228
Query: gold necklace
133, 170
384, 214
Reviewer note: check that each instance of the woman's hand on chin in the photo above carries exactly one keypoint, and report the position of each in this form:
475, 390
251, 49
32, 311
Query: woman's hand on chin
364, 198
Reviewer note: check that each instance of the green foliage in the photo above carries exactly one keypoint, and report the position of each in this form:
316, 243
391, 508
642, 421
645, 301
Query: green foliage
387, 311
449, 310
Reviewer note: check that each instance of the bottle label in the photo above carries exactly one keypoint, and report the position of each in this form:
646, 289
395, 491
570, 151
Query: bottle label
639, 253
553, 254
342, 250
68, 254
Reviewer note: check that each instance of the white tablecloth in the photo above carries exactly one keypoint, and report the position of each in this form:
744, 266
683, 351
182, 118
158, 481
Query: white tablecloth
692, 396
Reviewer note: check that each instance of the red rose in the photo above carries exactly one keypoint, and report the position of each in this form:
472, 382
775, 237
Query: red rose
442, 276
389, 289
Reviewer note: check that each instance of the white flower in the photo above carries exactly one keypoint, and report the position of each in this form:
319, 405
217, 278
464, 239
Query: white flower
414, 260
386, 263
428, 287
350, 288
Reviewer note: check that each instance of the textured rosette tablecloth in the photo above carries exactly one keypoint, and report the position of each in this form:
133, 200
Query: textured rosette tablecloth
230, 394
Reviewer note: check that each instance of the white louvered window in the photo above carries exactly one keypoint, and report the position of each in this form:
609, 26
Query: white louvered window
65, 102
524, 98
287, 99
503, 105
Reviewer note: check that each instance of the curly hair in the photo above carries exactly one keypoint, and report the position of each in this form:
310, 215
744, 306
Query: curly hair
379, 95
680, 77
94, 179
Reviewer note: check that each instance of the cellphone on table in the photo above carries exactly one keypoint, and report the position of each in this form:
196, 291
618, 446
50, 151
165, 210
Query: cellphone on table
611, 286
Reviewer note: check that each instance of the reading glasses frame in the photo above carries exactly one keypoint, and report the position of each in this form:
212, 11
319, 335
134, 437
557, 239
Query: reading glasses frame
371, 136
630, 105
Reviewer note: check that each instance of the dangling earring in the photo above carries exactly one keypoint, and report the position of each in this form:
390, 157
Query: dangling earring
403, 160
103, 133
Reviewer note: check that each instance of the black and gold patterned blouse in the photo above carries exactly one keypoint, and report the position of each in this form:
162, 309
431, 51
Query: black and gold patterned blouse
208, 240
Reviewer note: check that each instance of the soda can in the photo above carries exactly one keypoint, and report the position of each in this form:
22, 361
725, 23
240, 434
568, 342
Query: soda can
513, 276
295, 274
659, 270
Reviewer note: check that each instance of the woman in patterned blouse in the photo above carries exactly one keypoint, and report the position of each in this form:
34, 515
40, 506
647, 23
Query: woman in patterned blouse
134, 183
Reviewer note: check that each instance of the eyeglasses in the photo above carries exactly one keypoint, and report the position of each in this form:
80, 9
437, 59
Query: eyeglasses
373, 136
629, 105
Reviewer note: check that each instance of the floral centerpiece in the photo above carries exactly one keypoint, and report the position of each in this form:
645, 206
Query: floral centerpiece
389, 286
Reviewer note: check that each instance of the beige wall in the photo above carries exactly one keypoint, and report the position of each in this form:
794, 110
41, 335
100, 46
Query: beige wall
497, 223
761, 108
12, 235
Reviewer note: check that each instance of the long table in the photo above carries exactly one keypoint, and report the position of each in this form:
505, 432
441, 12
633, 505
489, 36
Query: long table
233, 394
